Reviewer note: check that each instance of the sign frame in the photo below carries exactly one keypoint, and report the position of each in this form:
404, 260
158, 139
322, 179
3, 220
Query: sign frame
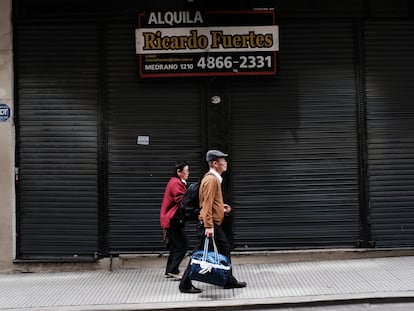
189, 45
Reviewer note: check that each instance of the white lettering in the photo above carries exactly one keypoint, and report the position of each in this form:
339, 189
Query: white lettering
198, 18
174, 17
154, 67
3, 112
170, 18
152, 19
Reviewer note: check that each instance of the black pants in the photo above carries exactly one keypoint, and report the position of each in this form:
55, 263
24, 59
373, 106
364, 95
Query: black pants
223, 247
177, 244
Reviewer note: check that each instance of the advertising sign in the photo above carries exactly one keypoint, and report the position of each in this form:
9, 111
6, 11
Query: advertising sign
4, 112
211, 43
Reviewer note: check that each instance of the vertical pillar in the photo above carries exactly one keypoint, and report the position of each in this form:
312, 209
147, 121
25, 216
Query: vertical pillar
219, 134
7, 139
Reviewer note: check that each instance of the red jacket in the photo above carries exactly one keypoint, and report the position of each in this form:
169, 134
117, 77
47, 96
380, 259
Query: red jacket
172, 200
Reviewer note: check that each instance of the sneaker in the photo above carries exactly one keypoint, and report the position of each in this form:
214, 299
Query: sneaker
167, 276
177, 276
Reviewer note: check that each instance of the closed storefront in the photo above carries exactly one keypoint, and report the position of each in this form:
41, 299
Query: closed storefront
166, 115
294, 144
389, 66
57, 80
319, 141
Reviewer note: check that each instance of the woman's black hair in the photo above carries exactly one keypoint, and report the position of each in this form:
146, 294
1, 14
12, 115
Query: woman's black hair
179, 165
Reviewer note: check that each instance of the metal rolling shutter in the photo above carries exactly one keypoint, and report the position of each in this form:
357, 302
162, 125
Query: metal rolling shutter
56, 70
168, 112
389, 79
294, 144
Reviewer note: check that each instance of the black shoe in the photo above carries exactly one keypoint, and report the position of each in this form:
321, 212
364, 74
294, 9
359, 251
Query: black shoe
191, 290
235, 285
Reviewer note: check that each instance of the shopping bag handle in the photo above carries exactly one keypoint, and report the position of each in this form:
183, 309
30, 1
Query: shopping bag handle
205, 252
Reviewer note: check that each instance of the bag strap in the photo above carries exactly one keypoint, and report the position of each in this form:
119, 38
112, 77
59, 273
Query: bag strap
205, 251
215, 247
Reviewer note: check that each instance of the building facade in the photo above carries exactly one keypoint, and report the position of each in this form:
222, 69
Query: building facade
7, 139
320, 152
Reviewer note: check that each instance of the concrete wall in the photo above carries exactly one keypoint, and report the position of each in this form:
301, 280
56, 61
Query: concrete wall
7, 141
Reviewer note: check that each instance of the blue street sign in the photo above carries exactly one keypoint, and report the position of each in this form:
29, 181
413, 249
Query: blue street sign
4, 112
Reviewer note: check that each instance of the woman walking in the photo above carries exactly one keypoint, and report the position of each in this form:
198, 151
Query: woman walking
174, 230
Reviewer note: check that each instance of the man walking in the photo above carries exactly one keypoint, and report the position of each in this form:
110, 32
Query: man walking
211, 217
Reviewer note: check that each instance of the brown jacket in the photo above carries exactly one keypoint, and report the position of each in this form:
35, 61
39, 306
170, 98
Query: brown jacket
211, 201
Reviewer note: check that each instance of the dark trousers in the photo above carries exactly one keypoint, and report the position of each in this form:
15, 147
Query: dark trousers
223, 247
177, 244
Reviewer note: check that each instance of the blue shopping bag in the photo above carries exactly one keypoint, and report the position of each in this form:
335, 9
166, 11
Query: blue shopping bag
210, 266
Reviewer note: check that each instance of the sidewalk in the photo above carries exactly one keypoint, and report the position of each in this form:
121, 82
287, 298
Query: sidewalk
268, 284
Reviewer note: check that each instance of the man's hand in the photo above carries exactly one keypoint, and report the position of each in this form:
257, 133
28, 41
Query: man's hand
227, 208
209, 232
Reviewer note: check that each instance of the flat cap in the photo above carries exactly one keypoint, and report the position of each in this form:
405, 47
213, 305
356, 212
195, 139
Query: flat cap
213, 155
